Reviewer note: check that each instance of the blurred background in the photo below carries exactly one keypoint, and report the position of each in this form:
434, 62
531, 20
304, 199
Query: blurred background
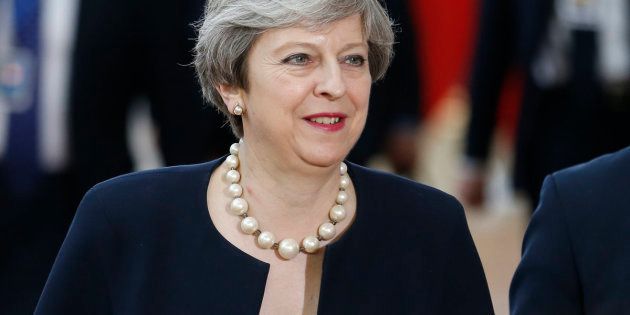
483, 99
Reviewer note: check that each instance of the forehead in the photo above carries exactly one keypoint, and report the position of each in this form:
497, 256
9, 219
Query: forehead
340, 32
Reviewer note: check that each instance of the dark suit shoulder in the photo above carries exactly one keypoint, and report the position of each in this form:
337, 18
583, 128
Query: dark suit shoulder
139, 196
159, 177
604, 168
596, 183
403, 195
576, 242
410, 212
426, 230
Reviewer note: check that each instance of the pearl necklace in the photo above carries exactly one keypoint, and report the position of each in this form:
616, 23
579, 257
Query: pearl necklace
286, 248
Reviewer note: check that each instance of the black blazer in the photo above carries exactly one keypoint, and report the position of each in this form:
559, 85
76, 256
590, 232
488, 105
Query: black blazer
145, 244
576, 253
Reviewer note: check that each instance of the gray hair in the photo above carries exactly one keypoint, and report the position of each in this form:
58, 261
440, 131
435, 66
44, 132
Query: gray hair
229, 29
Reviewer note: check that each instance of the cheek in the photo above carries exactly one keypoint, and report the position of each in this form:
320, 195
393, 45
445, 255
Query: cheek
295, 91
282, 93
274, 102
359, 93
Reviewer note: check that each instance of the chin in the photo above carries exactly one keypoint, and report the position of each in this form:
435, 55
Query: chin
325, 158
325, 151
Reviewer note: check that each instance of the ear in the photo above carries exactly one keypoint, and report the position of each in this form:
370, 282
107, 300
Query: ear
231, 96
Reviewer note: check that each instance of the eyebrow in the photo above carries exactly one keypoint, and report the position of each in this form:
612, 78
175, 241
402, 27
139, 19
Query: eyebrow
354, 45
313, 46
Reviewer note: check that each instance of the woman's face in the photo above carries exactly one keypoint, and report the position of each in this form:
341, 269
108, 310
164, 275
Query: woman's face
308, 92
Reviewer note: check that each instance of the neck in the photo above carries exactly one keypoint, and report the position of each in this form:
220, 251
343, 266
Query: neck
284, 194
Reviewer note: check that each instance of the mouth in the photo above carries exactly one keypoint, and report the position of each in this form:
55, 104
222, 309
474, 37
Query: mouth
327, 121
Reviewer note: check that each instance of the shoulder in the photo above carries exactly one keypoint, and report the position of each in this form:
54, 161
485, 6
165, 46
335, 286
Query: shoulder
606, 168
133, 195
593, 183
582, 207
152, 181
160, 178
390, 187
404, 199
426, 230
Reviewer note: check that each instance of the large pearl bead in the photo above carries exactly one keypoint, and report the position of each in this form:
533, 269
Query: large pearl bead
337, 213
231, 161
234, 148
266, 239
344, 181
233, 176
235, 190
249, 225
326, 231
343, 168
342, 197
310, 244
238, 206
288, 248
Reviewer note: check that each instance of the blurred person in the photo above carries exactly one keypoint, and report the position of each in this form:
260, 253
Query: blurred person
126, 49
38, 193
293, 77
576, 250
44, 151
392, 125
575, 103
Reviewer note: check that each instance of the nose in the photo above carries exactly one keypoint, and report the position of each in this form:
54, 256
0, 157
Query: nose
331, 84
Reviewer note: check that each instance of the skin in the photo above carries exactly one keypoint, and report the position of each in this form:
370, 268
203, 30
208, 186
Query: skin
294, 73
289, 166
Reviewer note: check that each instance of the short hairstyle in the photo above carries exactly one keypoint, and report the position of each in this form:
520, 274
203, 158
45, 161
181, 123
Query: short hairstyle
229, 29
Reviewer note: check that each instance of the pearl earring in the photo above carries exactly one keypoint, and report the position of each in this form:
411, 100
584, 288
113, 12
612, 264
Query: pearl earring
238, 110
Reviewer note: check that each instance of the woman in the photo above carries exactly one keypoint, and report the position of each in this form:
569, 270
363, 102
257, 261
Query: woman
281, 225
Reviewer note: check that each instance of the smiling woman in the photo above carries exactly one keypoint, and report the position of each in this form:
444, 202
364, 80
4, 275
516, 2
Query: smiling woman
300, 81
281, 225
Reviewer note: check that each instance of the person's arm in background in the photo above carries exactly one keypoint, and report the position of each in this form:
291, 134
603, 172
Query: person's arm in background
403, 91
546, 280
393, 120
494, 53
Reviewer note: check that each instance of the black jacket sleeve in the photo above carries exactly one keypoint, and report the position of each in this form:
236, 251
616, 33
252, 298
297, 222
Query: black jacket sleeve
78, 282
546, 281
465, 283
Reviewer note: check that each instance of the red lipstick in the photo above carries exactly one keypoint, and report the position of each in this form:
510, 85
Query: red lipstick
327, 121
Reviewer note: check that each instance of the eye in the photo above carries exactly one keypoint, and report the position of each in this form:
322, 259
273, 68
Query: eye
297, 59
355, 60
